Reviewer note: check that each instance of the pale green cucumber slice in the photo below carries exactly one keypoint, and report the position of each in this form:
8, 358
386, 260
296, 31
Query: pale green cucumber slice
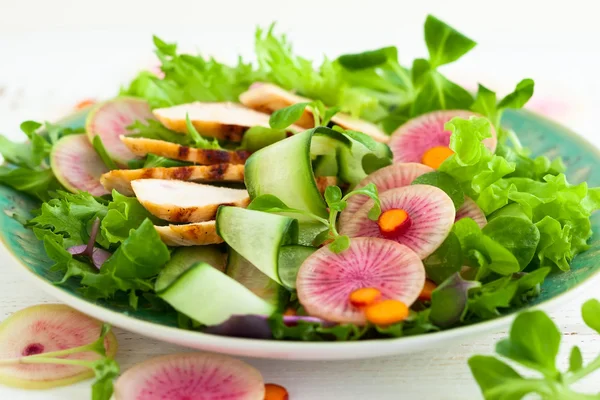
290, 259
210, 297
184, 257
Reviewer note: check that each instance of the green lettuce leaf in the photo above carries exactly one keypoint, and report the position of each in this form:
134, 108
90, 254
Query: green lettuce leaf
123, 214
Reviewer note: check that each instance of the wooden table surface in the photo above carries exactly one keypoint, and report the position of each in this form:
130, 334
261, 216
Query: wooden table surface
45, 72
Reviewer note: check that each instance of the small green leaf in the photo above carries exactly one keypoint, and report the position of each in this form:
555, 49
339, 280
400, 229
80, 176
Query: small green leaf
520, 96
267, 202
439, 93
518, 235
329, 113
339, 244
449, 301
368, 59
445, 44
333, 194
445, 261
591, 314
106, 370
485, 104
198, 140
287, 116
101, 150
499, 381
30, 127
575, 359
445, 182
534, 341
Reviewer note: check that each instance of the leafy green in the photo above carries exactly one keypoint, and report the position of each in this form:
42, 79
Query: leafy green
485, 102
445, 182
449, 301
285, 117
33, 182
518, 235
101, 150
444, 43
591, 314
123, 214
153, 129
154, 161
199, 141
445, 260
533, 343
189, 78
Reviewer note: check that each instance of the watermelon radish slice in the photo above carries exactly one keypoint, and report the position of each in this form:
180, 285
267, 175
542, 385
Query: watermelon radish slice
470, 209
390, 177
412, 141
77, 166
190, 376
110, 120
44, 329
426, 213
326, 279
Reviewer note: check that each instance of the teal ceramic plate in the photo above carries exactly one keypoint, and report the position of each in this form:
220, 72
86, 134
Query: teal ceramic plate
25, 252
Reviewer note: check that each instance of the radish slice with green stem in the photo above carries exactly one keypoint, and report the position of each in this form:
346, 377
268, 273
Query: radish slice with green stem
418, 216
191, 376
326, 280
470, 209
390, 177
110, 120
425, 140
45, 329
77, 166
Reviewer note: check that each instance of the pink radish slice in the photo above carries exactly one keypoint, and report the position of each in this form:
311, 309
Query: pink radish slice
410, 141
470, 209
390, 177
431, 216
110, 119
191, 376
325, 280
43, 329
77, 166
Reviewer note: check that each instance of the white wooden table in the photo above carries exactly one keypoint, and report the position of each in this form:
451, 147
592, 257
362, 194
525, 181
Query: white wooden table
67, 51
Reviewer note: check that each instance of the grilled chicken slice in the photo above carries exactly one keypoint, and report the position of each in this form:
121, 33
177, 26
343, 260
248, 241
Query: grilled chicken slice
224, 121
268, 98
120, 179
143, 146
196, 234
324, 181
179, 201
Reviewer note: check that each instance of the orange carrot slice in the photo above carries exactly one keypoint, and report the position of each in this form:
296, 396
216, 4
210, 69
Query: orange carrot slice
393, 222
275, 392
386, 312
427, 289
435, 156
364, 297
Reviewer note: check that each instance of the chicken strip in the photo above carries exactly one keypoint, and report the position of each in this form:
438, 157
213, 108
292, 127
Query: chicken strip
143, 146
196, 234
268, 98
179, 201
120, 179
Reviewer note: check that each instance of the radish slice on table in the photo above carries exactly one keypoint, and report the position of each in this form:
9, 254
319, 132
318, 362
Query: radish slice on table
44, 329
425, 140
110, 120
418, 216
77, 166
390, 177
191, 376
470, 209
326, 280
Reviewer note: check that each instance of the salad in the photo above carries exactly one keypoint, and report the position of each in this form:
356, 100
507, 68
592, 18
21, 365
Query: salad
357, 199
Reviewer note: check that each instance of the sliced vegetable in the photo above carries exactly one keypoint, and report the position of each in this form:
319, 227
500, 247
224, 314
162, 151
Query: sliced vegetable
387, 312
121, 179
430, 216
77, 166
109, 120
184, 376
425, 139
269, 232
470, 209
182, 259
390, 177
326, 280
365, 297
204, 284
179, 201
47, 329
291, 257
